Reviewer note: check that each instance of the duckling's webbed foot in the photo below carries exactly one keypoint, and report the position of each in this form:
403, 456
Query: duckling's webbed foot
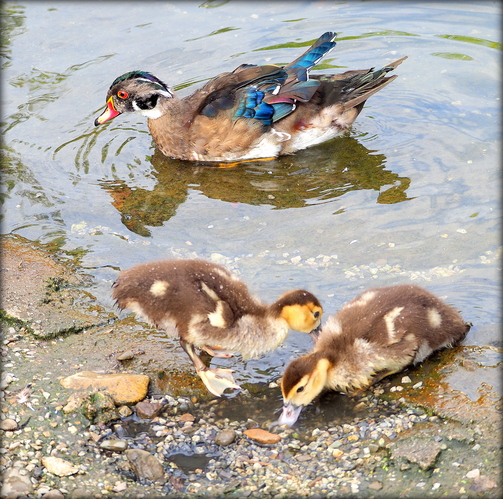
218, 380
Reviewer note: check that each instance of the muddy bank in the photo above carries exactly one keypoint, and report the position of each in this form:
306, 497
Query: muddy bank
427, 432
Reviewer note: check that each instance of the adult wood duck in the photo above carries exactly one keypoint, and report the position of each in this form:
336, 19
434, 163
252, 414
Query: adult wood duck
379, 333
210, 308
251, 112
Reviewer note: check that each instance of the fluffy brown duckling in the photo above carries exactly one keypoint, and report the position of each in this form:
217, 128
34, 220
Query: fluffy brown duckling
379, 333
210, 308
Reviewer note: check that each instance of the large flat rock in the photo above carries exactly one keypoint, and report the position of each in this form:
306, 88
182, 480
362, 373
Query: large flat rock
43, 293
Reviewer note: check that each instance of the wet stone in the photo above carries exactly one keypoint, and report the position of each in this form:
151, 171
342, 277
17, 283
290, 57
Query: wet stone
127, 355
375, 486
124, 411
415, 450
114, 444
148, 410
187, 417
8, 425
80, 493
124, 388
15, 484
225, 437
54, 494
262, 436
145, 465
58, 466
483, 483
99, 407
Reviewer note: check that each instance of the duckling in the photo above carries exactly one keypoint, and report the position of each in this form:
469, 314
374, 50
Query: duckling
210, 308
379, 333
252, 112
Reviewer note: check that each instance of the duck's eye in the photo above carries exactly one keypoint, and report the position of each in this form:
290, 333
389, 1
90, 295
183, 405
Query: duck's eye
300, 389
316, 315
122, 94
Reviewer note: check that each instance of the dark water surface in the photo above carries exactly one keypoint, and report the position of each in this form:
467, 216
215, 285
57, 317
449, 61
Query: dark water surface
412, 194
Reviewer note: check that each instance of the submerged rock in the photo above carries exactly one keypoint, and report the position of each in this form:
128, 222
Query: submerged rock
124, 388
145, 465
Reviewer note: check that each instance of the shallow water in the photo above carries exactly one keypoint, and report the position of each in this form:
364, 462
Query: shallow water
411, 194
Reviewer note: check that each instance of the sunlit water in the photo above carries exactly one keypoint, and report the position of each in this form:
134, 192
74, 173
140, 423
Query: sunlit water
410, 195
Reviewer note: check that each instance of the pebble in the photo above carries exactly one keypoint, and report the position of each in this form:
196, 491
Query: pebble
262, 436
124, 411
375, 486
225, 437
127, 355
114, 444
8, 424
187, 417
58, 466
148, 410
473, 473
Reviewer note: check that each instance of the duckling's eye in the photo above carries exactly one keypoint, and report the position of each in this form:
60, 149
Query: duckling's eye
316, 315
300, 389
122, 94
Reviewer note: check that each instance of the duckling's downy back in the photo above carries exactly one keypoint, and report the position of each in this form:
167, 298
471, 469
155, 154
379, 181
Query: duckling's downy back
405, 319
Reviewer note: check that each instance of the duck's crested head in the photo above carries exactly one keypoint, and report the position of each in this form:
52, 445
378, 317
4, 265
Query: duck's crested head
135, 92
300, 309
304, 379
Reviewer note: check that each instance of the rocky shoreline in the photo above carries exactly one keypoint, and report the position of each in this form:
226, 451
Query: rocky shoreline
410, 436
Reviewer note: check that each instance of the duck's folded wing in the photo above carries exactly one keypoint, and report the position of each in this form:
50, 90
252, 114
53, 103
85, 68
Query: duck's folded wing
264, 93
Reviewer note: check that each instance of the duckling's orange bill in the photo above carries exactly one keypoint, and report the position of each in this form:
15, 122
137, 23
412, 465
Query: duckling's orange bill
109, 113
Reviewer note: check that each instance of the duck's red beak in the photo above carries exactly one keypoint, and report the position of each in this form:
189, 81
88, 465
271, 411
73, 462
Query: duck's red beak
107, 115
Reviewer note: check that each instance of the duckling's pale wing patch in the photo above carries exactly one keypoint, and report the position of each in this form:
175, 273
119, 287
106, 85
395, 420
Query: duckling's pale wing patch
434, 317
217, 318
362, 300
159, 288
389, 320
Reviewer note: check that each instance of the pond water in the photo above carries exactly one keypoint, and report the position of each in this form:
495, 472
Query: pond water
411, 194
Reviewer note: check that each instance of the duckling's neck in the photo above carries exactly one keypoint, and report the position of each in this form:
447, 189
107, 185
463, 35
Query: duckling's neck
351, 363
262, 336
